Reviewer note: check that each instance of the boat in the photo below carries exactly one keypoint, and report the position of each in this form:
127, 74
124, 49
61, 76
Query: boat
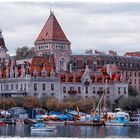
40, 126
2, 123
86, 123
119, 121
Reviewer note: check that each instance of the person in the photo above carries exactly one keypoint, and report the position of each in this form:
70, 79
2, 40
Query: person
109, 118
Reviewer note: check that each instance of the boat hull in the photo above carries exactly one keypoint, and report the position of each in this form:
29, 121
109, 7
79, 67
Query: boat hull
2, 124
114, 124
85, 123
46, 128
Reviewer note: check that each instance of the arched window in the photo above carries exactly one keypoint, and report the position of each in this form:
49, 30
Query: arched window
62, 63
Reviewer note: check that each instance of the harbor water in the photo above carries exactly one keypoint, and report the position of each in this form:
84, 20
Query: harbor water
73, 131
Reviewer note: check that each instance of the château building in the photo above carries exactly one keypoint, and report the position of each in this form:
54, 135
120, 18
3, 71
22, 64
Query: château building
56, 72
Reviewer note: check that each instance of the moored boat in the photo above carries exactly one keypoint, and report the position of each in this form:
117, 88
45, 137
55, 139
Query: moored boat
119, 121
40, 126
82, 123
2, 123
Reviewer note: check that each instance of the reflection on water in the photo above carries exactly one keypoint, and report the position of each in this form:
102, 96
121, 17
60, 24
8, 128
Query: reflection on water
74, 131
44, 133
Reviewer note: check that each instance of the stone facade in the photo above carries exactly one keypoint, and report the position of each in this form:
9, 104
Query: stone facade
55, 72
53, 40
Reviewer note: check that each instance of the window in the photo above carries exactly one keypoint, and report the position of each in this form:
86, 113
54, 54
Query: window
7, 87
25, 86
35, 86
139, 74
74, 64
35, 94
101, 88
44, 87
51, 74
64, 89
135, 74
71, 88
1, 87
86, 96
79, 89
130, 81
119, 90
85, 63
62, 63
107, 89
52, 86
52, 94
44, 73
21, 87
16, 86
86, 89
139, 88
124, 90
93, 89
12, 87
139, 81
135, 81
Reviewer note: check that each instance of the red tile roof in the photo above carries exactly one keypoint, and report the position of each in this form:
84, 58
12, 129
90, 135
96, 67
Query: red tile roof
132, 54
52, 31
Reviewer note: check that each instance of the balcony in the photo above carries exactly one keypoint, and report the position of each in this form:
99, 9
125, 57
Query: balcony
72, 92
100, 92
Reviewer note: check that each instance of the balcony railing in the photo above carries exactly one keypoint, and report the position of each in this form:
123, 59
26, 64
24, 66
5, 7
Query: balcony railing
100, 92
72, 92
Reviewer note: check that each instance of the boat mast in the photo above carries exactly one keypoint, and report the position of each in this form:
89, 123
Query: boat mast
102, 97
105, 97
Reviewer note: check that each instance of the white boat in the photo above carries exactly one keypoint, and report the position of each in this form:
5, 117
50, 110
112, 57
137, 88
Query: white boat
40, 126
45, 128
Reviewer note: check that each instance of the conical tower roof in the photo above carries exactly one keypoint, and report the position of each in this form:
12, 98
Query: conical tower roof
51, 31
2, 43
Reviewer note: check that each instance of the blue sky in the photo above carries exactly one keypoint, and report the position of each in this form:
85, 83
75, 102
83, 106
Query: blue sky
91, 25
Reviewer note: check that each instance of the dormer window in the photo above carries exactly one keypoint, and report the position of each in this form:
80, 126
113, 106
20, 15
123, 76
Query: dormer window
43, 73
35, 73
51, 74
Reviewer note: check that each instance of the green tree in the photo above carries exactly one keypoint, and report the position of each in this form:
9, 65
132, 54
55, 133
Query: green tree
132, 91
130, 103
18, 101
24, 52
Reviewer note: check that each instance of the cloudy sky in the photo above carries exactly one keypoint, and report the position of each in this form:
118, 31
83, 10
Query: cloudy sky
90, 25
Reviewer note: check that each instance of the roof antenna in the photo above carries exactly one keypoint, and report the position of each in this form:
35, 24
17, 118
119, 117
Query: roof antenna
51, 7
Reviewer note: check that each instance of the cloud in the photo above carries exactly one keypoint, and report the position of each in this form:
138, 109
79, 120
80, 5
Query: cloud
101, 26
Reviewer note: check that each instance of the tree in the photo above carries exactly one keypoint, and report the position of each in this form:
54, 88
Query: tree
52, 104
132, 91
31, 102
18, 101
130, 103
43, 100
7, 103
24, 52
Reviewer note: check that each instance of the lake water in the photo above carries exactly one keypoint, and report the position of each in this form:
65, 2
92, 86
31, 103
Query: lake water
74, 131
